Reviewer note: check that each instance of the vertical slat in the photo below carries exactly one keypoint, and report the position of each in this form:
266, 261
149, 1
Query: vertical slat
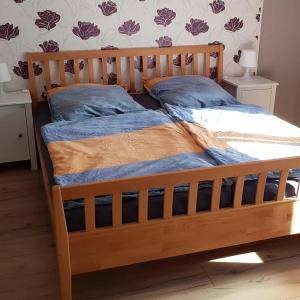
47, 74
132, 74
143, 206
157, 62
193, 193
62, 245
282, 185
182, 61
119, 70
195, 64
76, 71
220, 66
145, 67
238, 193
168, 202
206, 64
298, 190
117, 209
216, 194
89, 211
32, 83
104, 70
62, 74
170, 65
260, 190
91, 70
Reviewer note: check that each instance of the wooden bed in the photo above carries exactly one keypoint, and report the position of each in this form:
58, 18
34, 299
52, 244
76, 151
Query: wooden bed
123, 244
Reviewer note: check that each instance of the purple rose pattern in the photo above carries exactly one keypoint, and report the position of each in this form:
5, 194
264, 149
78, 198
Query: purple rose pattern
217, 6
234, 24
8, 31
108, 8
164, 41
112, 78
196, 26
69, 66
213, 73
138, 63
22, 69
48, 19
129, 28
237, 57
50, 46
86, 30
177, 60
214, 54
165, 17
44, 93
110, 60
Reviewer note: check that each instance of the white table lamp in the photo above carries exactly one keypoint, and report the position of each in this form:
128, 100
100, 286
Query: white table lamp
248, 60
4, 77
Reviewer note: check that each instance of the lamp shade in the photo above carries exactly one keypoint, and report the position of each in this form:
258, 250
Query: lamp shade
248, 59
4, 73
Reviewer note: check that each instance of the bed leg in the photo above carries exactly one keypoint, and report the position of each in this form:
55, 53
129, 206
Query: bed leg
62, 246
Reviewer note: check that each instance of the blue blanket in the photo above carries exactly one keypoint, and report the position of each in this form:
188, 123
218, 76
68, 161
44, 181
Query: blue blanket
121, 146
240, 133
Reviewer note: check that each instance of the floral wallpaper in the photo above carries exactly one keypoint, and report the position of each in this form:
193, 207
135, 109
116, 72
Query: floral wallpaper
56, 25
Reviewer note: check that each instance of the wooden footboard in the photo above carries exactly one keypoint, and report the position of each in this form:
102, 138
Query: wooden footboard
122, 244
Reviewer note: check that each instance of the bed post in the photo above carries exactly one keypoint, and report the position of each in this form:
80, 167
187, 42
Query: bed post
220, 64
32, 82
62, 245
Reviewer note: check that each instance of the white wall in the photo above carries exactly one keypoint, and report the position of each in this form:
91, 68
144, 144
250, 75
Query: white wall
280, 54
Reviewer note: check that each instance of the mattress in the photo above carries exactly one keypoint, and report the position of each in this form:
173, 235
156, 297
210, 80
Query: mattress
74, 211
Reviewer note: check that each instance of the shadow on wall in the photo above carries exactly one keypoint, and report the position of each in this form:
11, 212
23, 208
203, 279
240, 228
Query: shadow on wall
278, 60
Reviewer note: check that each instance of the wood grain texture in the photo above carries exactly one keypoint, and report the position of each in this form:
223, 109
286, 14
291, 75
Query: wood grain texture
132, 74
91, 70
238, 193
127, 53
260, 190
195, 64
28, 265
157, 68
47, 74
124, 244
182, 63
117, 209
216, 194
168, 202
192, 201
170, 65
62, 246
178, 235
62, 74
89, 209
143, 206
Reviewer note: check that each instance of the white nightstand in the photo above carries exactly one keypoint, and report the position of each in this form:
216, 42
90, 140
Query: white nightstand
16, 129
255, 90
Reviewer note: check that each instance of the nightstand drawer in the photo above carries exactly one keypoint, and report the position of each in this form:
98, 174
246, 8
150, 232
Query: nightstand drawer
13, 134
261, 97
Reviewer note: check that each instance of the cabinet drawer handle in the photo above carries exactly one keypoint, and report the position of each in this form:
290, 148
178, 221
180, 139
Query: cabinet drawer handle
20, 135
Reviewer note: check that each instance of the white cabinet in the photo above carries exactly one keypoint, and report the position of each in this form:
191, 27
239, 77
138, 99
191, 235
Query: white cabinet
255, 90
16, 129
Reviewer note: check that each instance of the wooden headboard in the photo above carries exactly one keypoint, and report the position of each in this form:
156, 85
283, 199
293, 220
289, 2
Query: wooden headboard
194, 60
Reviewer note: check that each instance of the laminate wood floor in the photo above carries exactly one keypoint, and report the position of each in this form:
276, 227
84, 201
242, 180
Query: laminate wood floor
28, 267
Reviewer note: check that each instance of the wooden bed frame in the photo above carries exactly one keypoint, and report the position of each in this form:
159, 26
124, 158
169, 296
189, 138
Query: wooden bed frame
122, 244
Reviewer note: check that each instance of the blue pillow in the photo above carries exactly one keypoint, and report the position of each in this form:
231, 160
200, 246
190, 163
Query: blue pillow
80, 102
190, 91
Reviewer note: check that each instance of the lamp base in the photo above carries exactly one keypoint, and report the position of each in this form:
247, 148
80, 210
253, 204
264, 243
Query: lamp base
3, 94
247, 73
